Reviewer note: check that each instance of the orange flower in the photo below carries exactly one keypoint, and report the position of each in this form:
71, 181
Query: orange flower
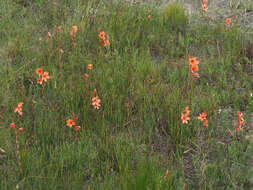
148, 11
72, 34
195, 75
39, 71
20, 129
13, 125
39, 80
70, 123
204, 7
94, 92
228, 20
102, 35
20, 104
86, 76
202, 116
148, 16
74, 28
77, 128
45, 76
184, 118
89, 66
14, 128
185, 114
96, 105
205, 123
18, 109
240, 119
186, 110
193, 61
106, 43
96, 102
194, 68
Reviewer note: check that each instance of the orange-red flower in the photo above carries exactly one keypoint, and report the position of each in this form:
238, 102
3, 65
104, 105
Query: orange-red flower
195, 75
194, 68
204, 7
202, 116
204, 1
72, 35
45, 76
39, 71
74, 28
205, 123
228, 20
240, 120
96, 105
184, 118
77, 128
185, 114
39, 80
103, 39
94, 92
20, 129
18, 109
96, 102
14, 128
102, 35
13, 125
148, 11
70, 123
106, 43
193, 61
20, 104
86, 76
89, 66
186, 110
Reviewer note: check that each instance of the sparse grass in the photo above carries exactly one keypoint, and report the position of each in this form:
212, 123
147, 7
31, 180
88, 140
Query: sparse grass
146, 67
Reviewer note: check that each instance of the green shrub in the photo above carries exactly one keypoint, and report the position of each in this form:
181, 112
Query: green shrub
174, 15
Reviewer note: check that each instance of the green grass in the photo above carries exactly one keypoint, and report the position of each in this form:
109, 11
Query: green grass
145, 66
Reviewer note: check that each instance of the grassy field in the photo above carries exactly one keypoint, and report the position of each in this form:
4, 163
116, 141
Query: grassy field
138, 61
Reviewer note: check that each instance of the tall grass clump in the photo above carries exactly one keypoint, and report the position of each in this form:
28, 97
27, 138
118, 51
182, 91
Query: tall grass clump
175, 17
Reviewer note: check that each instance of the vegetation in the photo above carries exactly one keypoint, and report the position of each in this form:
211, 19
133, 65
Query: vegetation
107, 95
